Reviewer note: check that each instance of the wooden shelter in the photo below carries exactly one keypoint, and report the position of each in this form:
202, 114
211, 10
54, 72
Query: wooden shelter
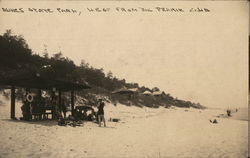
125, 91
130, 93
36, 81
148, 93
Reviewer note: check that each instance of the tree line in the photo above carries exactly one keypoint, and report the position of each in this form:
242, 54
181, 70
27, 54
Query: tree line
16, 56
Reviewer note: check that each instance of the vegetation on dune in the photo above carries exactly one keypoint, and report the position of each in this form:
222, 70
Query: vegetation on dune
16, 57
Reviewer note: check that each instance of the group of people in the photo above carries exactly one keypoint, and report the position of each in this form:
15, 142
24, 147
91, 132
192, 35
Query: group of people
32, 107
88, 113
37, 106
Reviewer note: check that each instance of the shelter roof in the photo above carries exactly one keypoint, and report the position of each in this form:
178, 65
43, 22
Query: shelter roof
35, 80
157, 93
124, 91
147, 92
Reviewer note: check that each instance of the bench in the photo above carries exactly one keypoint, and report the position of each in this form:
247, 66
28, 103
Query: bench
36, 116
48, 110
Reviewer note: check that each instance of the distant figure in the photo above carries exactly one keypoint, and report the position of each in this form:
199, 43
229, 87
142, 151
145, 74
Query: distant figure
229, 113
215, 121
100, 113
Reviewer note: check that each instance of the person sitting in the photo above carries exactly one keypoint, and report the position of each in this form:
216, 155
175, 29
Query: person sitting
77, 114
61, 121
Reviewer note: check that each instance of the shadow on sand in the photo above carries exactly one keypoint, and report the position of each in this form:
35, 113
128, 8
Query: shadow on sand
48, 123
40, 122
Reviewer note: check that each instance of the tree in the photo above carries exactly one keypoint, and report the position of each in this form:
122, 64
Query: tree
14, 51
110, 75
84, 64
58, 56
45, 52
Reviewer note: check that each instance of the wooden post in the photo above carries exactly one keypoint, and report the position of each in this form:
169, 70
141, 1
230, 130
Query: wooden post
60, 100
72, 102
12, 103
39, 104
39, 95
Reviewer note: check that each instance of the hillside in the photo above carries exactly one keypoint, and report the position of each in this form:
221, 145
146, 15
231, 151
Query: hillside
18, 58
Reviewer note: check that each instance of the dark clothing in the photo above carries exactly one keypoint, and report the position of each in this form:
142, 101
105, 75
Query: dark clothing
100, 114
100, 109
64, 108
26, 111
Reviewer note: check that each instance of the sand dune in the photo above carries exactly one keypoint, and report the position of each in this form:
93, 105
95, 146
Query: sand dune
142, 132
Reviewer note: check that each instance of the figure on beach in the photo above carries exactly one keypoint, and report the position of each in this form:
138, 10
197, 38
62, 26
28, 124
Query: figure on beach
100, 113
26, 110
228, 113
27, 106
55, 109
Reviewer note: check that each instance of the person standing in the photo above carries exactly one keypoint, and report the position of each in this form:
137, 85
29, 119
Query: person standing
55, 108
26, 110
100, 113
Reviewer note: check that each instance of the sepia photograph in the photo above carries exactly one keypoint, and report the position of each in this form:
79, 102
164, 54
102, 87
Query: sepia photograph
124, 79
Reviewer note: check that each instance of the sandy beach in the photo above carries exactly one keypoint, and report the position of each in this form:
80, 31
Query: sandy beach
142, 132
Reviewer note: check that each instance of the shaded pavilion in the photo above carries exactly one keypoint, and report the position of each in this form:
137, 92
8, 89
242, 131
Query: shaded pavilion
130, 93
36, 81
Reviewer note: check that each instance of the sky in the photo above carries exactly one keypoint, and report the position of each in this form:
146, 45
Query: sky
201, 57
